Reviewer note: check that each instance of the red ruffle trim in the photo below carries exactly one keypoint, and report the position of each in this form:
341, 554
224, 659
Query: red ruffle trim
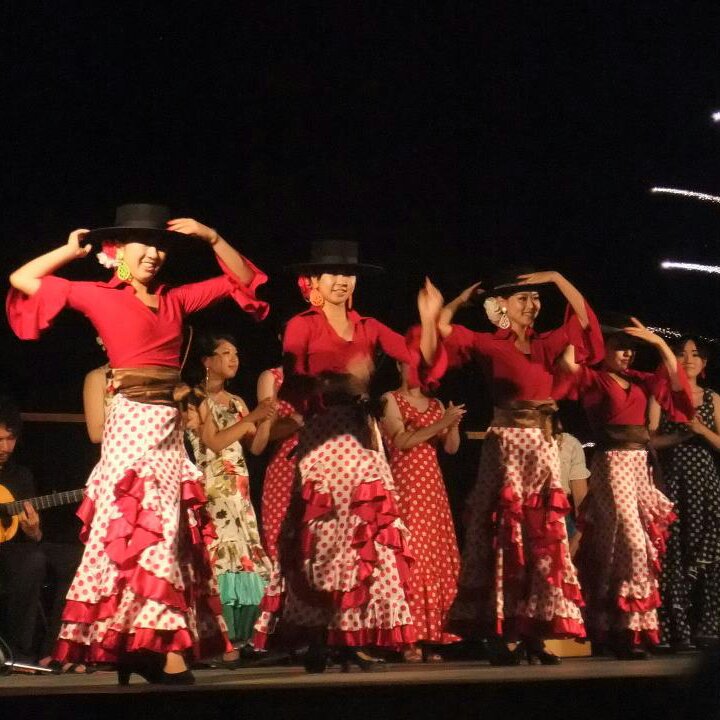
246, 295
379, 637
649, 637
29, 315
558, 628
127, 536
372, 503
544, 530
271, 603
116, 644
640, 605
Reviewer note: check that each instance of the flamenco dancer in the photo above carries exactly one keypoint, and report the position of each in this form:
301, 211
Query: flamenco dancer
144, 596
415, 426
625, 517
343, 549
517, 580
240, 563
690, 580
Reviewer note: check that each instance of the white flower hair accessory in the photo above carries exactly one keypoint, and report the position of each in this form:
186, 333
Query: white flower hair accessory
496, 313
107, 256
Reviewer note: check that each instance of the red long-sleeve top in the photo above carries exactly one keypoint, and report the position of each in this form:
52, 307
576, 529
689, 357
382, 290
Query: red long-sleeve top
134, 335
312, 346
607, 403
514, 375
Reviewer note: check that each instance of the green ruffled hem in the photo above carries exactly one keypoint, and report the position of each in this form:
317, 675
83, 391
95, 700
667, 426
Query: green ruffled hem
240, 594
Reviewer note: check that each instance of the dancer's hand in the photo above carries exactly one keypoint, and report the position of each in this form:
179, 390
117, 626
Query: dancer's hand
430, 301
539, 278
639, 331
188, 226
468, 293
75, 246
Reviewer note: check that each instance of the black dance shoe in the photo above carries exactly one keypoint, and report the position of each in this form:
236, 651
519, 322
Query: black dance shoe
149, 666
498, 653
535, 653
367, 663
316, 659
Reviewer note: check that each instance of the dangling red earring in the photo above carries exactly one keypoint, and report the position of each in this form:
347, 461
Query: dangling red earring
702, 374
316, 298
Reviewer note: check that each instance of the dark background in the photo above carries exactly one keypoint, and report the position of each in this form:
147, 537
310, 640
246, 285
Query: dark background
447, 140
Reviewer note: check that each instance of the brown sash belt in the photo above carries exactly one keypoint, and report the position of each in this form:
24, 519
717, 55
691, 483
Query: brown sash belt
526, 414
154, 385
624, 437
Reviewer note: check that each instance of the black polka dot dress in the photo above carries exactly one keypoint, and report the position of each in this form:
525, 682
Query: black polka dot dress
690, 581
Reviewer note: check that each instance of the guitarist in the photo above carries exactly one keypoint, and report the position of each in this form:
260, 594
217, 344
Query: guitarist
26, 562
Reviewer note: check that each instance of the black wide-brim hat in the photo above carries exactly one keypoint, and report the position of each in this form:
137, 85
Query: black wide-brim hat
613, 326
141, 220
505, 282
334, 256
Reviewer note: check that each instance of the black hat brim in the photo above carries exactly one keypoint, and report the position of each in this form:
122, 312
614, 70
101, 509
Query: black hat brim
120, 234
629, 341
320, 268
507, 289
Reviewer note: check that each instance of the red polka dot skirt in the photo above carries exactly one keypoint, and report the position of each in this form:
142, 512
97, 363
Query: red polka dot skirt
517, 578
145, 580
625, 523
344, 558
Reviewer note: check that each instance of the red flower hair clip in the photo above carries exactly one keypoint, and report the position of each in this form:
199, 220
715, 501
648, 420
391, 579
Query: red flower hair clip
305, 287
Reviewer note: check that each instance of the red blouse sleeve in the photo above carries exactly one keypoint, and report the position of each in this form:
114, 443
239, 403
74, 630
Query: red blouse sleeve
463, 345
570, 386
295, 345
407, 350
588, 342
29, 315
678, 404
196, 296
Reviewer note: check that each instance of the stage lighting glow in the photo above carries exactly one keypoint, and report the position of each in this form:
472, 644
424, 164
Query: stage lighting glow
694, 267
716, 116
686, 193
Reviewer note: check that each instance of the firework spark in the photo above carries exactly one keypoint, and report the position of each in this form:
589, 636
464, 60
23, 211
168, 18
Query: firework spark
694, 267
686, 193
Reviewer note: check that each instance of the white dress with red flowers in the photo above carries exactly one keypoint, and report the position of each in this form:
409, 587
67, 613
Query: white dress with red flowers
240, 563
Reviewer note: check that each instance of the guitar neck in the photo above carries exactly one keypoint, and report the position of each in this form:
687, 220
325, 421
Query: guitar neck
45, 501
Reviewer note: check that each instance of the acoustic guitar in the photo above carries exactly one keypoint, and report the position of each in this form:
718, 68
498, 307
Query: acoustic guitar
10, 508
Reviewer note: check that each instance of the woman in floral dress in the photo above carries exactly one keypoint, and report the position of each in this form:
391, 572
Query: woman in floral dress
239, 561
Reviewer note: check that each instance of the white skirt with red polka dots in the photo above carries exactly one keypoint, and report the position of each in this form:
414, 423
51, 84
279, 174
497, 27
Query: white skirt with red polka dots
625, 522
145, 580
517, 578
344, 557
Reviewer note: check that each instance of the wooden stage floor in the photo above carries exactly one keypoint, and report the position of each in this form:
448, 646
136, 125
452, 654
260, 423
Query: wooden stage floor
583, 687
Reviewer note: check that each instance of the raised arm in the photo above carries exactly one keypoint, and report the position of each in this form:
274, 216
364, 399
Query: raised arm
570, 292
27, 278
226, 252
667, 356
448, 311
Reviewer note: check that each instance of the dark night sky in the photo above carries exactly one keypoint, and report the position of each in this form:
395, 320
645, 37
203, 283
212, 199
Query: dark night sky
445, 140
